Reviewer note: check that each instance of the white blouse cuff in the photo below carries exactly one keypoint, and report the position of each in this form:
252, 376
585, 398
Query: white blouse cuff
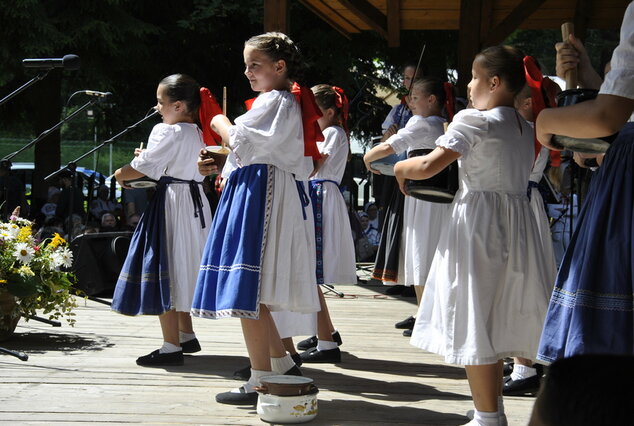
454, 144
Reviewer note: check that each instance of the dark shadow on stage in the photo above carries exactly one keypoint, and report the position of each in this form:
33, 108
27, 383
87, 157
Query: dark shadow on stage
409, 369
38, 342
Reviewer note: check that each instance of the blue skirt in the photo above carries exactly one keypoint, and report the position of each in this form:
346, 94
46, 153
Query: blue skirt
591, 309
229, 280
143, 287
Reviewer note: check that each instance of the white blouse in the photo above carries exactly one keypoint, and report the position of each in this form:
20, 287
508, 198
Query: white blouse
270, 132
172, 150
335, 145
419, 132
620, 80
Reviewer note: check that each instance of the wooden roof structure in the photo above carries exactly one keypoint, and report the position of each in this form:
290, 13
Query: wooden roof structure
480, 22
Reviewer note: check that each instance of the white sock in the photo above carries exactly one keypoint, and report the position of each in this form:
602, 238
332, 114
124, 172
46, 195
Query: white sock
485, 418
169, 348
283, 364
186, 337
254, 381
326, 345
521, 372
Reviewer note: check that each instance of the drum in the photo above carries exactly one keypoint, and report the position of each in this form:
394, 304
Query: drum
219, 154
437, 189
142, 182
588, 146
386, 164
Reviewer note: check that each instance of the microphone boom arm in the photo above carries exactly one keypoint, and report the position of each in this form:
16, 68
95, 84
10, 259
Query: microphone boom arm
26, 85
73, 164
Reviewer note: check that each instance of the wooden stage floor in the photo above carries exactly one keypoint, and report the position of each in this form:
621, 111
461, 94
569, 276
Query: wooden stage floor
87, 374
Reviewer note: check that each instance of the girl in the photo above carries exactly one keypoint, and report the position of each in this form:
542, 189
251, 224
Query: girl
159, 273
591, 308
335, 247
259, 257
488, 278
422, 220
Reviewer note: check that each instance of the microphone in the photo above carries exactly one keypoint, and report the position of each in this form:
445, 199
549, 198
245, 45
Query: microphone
95, 93
68, 62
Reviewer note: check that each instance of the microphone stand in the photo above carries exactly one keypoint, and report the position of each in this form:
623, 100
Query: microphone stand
72, 167
26, 85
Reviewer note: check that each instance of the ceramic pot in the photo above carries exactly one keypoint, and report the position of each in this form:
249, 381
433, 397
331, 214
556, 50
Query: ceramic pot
288, 409
9, 316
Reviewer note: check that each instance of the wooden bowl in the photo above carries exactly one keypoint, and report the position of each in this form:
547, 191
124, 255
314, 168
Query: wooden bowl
284, 385
219, 154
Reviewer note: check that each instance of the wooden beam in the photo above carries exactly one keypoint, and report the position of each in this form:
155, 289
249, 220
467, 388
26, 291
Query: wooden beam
486, 18
393, 23
468, 40
512, 22
276, 15
327, 19
369, 14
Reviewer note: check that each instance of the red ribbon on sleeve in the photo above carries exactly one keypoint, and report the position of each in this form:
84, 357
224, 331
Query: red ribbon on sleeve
208, 109
310, 115
249, 103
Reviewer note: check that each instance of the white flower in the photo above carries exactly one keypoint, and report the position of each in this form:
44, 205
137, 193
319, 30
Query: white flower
63, 257
5, 235
23, 252
11, 229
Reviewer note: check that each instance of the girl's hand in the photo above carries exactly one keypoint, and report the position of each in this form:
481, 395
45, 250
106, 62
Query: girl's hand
137, 151
572, 54
206, 164
369, 167
401, 185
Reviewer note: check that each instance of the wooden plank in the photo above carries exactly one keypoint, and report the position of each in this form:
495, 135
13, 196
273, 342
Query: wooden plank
393, 23
468, 41
333, 19
87, 374
368, 14
512, 21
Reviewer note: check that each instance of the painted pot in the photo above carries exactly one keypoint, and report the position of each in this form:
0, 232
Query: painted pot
288, 409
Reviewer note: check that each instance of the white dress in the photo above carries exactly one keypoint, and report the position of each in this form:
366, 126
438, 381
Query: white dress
337, 261
422, 220
537, 205
488, 287
172, 150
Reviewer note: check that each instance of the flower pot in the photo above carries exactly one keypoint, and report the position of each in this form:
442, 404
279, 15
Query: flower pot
9, 315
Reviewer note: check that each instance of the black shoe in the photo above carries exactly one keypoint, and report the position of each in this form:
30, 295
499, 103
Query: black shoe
157, 359
295, 371
508, 368
408, 291
191, 346
243, 373
307, 344
395, 289
528, 386
242, 398
331, 355
407, 333
297, 359
406, 324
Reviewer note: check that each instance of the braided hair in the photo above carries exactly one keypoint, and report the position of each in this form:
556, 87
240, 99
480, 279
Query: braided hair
278, 46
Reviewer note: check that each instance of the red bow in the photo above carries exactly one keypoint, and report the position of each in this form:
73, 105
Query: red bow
449, 100
208, 109
534, 80
310, 115
342, 103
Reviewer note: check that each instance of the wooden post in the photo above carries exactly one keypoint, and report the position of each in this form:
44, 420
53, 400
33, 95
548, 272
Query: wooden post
469, 41
276, 16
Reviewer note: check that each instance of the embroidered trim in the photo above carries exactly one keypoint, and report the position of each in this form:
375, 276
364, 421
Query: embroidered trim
229, 268
226, 313
588, 299
270, 185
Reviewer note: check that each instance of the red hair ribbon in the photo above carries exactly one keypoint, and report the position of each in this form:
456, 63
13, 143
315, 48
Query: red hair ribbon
534, 79
249, 103
208, 109
341, 102
310, 115
450, 101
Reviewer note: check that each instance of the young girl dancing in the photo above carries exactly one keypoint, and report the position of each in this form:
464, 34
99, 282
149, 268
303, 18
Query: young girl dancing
335, 248
488, 278
258, 258
159, 273
422, 220
591, 309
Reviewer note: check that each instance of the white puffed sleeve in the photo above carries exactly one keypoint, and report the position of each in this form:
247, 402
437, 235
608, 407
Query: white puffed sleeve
162, 149
467, 129
620, 80
331, 141
273, 121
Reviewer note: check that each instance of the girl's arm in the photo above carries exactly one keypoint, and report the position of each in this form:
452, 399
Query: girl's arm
382, 150
127, 173
599, 117
317, 164
220, 124
424, 167
573, 55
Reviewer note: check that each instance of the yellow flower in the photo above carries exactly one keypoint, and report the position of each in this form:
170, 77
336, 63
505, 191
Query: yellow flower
57, 240
24, 234
25, 271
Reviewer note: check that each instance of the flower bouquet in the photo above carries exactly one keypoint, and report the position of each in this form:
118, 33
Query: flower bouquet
32, 276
